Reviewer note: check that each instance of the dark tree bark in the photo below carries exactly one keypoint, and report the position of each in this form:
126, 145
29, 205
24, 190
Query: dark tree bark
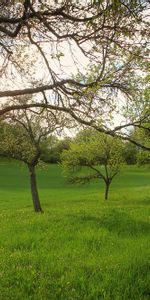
34, 190
107, 185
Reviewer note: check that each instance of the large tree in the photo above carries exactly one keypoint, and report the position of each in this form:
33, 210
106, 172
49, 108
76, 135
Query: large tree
93, 155
104, 45
22, 137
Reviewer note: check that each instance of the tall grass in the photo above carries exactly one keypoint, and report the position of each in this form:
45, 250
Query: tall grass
82, 247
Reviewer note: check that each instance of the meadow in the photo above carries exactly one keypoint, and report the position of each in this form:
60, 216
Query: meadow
82, 247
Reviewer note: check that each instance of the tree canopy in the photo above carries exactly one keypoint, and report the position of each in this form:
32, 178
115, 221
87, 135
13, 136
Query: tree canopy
142, 134
93, 155
88, 59
22, 137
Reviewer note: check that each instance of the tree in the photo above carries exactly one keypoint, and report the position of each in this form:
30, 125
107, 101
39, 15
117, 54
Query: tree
22, 139
130, 153
48, 151
105, 42
143, 157
93, 155
52, 147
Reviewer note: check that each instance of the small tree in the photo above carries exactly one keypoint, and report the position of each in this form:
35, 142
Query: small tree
97, 155
22, 139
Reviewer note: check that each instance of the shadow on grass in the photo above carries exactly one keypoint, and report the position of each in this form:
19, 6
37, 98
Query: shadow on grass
122, 224
116, 222
136, 202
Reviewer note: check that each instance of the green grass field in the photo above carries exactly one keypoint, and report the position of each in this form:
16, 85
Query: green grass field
81, 247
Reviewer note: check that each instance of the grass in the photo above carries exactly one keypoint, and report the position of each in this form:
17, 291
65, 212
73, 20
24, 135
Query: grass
82, 247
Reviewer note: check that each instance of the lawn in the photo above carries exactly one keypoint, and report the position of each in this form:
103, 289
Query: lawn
81, 247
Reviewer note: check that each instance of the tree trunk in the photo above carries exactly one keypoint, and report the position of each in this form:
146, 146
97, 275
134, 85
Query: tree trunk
34, 191
107, 184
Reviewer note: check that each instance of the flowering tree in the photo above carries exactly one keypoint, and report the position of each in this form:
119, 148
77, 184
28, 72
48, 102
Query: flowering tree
96, 153
21, 138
